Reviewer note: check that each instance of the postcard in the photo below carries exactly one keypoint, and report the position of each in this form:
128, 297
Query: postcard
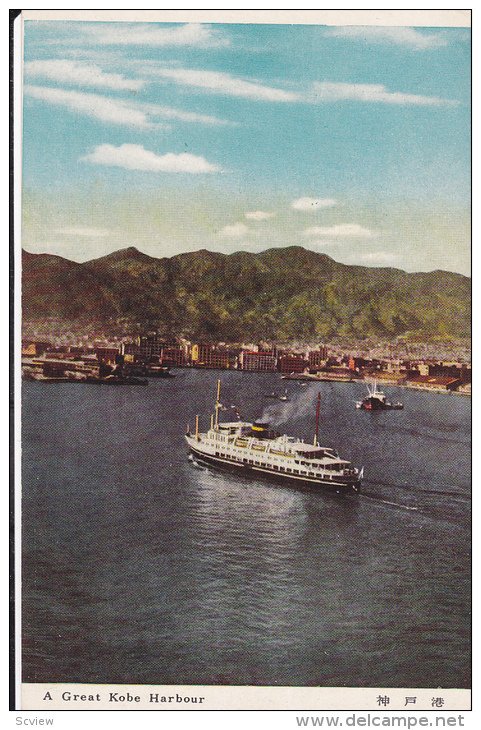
243, 261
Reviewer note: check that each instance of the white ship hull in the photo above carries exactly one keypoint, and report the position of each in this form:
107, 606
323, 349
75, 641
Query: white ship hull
281, 473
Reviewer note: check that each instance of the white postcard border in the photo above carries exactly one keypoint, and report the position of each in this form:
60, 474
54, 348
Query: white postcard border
30, 696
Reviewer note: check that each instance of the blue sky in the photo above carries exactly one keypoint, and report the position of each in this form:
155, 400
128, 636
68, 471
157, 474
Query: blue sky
351, 141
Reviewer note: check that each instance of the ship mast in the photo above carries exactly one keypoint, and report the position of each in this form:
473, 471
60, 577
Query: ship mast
217, 406
318, 410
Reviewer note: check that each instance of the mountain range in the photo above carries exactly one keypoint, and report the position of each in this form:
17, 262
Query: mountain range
282, 294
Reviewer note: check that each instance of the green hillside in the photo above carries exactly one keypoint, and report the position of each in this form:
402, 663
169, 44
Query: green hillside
281, 294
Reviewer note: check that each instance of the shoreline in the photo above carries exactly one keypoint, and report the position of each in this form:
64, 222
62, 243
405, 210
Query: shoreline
297, 378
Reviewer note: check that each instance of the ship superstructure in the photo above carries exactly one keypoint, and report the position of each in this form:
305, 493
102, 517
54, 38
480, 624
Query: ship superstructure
376, 401
257, 449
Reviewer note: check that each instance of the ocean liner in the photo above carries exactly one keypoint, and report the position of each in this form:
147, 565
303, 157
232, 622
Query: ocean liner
256, 449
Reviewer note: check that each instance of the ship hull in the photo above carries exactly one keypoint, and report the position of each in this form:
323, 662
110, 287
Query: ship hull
376, 406
279, 477
373, 404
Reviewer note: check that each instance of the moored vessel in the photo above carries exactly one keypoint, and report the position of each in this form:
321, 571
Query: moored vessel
376, 401
256, 449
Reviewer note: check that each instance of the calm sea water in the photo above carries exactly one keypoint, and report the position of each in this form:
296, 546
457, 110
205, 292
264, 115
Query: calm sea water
141, 567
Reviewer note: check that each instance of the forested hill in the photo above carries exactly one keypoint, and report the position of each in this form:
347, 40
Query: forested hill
281, 294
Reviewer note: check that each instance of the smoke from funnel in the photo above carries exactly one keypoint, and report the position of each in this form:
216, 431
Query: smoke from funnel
299, 405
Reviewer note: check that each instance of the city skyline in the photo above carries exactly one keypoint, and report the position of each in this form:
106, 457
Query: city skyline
177, 137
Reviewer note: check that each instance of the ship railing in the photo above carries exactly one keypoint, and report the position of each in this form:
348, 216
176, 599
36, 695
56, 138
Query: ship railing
285, 454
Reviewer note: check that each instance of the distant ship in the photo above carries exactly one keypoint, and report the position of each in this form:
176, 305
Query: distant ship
283, 397
254, 448
115, 380
159, 371
376, 401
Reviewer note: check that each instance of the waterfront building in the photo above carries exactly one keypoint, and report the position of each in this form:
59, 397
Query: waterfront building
292, 363
173, 356
317, 358
222, 359
357, 363
107, 355
211, 356
261, 361
200, 353
130, 351
337, 372
432, 382
150, 346
453, 369
194, 354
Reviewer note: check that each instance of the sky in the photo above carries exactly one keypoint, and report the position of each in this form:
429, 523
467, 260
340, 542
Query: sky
352, 141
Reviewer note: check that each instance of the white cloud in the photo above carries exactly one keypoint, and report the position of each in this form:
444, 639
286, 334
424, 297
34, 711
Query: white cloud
81, 74
198, 35
136, 157
259, 215
236, 230
113, 111
84, 232
217, 82
343, 229
223, 83
400, 36
117, 111
327, 91
312, 204
170, 113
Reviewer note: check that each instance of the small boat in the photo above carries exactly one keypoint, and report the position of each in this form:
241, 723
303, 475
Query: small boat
376, 401
284, 397
156, 371
115, 380
271, 395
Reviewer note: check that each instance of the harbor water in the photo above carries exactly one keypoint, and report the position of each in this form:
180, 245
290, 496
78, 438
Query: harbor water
141, 566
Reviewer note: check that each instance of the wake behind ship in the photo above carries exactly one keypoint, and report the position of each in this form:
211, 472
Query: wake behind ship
254, 448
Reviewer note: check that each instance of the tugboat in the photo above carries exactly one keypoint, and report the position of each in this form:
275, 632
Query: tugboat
376, 401
256, 449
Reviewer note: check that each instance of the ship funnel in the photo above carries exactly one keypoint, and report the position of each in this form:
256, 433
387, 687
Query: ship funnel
260, 429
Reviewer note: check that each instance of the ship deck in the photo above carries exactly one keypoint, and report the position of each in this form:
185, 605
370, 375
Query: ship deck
250, 470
